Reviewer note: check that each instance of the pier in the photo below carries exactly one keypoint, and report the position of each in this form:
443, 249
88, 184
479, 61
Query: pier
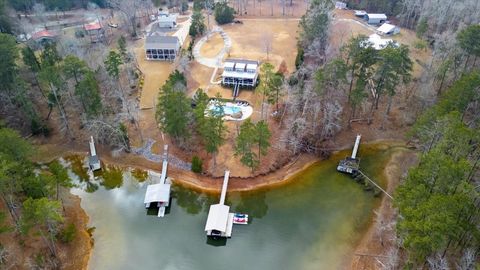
351, 164
220, 220
159, 191
93, 160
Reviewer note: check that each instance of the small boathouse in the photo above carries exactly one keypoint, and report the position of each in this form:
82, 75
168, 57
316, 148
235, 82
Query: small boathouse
351, 164
159, 191
93, 160
220, 220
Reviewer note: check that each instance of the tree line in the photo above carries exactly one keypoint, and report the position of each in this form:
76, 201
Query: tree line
30, 193
439, 200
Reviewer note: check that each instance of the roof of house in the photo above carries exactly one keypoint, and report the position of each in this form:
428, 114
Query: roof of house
229, 64
167, 18
241, 61
252, 66
239, 75
376, 16
217, 218
240, 66
157, 193
92, 26
386, 28
43, 34
155, 41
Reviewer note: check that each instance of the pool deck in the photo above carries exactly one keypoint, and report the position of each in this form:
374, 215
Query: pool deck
243, 106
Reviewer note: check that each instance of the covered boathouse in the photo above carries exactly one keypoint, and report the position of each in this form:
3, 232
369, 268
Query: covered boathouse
220, 220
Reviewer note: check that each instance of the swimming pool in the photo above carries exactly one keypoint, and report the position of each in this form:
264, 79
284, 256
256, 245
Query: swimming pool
227, 110
230, 111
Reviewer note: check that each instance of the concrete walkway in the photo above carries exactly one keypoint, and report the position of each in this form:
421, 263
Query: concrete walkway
146, 152
214, 62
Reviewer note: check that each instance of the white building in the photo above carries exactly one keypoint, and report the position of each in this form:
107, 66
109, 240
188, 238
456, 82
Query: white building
243, 73
360, 13
340, 5
387, 29
378, 43
163, 48
166, 20
373, 18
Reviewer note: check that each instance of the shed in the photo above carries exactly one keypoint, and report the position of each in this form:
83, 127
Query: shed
217, 218
374, 18
159, 47
95, 31
340, 5
388, 29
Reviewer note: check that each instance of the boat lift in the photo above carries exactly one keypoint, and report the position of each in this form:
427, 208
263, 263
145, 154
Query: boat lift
93, 160
159, 191
351, 164
220, 220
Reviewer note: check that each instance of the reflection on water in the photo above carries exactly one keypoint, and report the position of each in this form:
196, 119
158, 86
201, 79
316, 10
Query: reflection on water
311, 223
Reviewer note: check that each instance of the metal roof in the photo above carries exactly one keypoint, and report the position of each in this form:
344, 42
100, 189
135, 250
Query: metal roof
376, 16
240, 66
252, 66
93, 26
229, 64
160, 42
386, 28
157, 193
43, 34
217, 218
241, 61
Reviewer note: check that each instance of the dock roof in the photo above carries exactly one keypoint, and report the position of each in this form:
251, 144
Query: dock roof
157, 193
217, 218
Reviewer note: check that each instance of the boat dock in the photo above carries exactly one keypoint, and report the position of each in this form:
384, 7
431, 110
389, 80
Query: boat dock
159, 191
351, 164
220, 220
93, 160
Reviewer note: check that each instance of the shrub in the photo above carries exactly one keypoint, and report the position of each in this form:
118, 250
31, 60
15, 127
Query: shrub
223, 13
67, 234
299, 58
197, 164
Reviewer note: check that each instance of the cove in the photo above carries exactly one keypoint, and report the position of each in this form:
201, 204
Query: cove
314, 222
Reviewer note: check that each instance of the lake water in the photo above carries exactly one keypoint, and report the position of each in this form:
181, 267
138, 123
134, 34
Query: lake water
311, 223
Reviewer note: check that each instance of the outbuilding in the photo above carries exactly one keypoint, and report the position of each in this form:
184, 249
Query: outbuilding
167, 20
387, 29
95, 31
340, 5
162, 48
374, 18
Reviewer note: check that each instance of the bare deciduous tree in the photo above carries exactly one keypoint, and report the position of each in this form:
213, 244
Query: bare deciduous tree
267, 42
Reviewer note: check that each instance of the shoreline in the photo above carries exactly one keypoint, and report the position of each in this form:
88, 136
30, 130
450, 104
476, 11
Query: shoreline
208, 184
380, 235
